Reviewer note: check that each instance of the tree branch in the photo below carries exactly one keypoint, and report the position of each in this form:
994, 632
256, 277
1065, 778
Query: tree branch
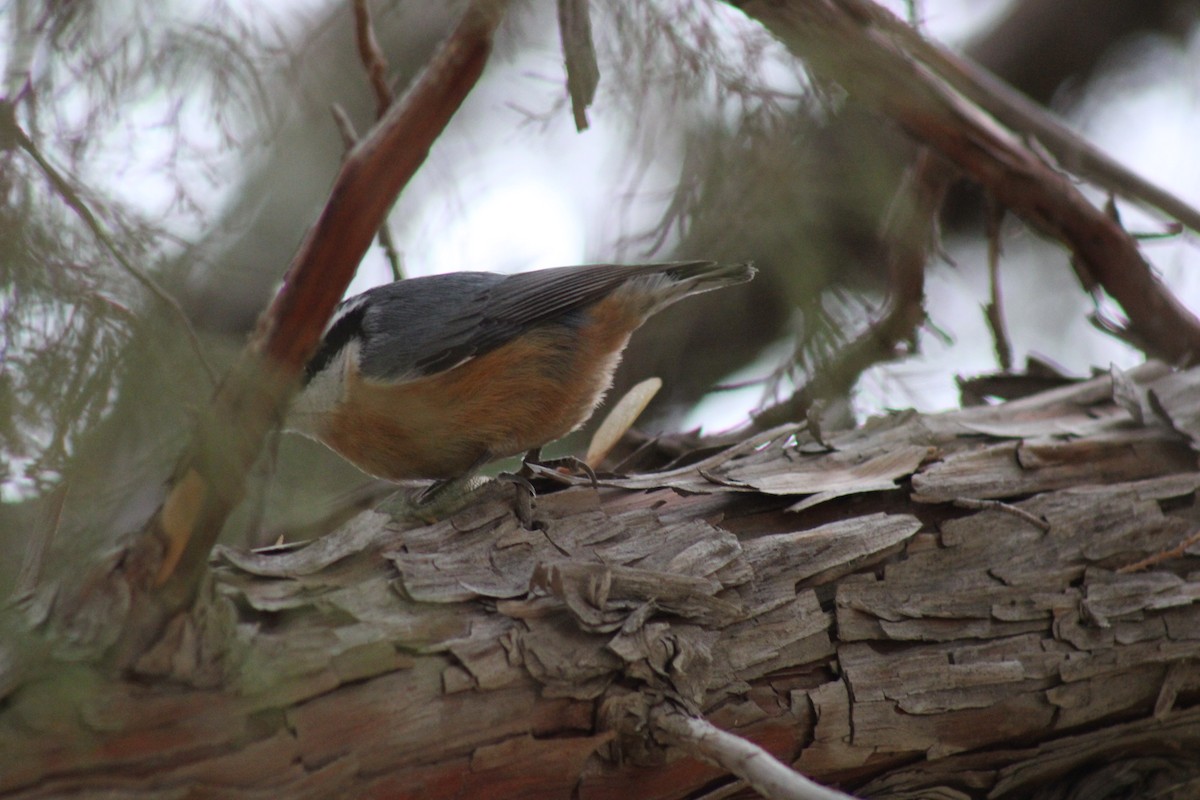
165, 566
371, 55
852, 42
769, 777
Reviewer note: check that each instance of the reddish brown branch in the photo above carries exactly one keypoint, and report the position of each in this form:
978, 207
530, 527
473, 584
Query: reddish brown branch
165, 566
852, 42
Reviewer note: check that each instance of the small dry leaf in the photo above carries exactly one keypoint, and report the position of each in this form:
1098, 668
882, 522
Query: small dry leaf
1126, 394
621, 419
579, 56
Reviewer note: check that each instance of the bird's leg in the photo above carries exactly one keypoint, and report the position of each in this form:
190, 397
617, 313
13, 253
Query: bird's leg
549, 468
441, 498
525, 494
446, 497
435, 502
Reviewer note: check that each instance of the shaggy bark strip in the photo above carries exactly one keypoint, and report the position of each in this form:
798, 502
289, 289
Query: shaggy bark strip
887, 641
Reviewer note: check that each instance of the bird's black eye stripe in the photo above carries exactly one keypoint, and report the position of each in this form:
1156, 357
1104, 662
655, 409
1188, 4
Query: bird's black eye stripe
346, 327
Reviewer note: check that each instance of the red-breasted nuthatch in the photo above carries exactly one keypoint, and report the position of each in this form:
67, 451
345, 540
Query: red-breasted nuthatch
433, 377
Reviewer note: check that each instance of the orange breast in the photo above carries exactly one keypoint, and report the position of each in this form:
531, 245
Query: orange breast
524, 394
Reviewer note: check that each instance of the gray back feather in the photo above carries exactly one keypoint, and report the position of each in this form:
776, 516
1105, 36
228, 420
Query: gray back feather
422, 326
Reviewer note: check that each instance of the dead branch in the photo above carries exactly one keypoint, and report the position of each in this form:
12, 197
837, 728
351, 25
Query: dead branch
743, 758
993, 312
371, 55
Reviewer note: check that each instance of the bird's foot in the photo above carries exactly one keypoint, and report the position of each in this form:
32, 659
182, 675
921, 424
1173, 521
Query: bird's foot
557, 469
525, 495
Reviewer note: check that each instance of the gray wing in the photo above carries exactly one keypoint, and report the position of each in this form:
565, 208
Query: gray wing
422, 326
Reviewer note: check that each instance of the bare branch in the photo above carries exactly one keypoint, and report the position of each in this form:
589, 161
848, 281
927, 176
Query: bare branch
372, 58
975, 504
853, 42
760, 769
1179, 551
993, 312
345, 126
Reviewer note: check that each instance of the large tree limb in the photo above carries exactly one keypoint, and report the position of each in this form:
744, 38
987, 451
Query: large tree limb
860, 614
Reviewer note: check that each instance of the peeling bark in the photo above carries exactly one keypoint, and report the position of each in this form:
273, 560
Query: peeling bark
836, 608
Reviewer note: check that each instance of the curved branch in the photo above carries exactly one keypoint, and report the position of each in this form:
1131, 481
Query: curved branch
163, 569
847, 41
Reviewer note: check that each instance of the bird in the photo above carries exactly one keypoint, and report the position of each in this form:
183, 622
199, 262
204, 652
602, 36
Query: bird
434, 377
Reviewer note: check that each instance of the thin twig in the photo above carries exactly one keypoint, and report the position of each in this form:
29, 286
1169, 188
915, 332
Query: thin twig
994, 310
1179, 551
371, 55
974, 504
376, 65
390, 251
344, 125
766, 774
76, 203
